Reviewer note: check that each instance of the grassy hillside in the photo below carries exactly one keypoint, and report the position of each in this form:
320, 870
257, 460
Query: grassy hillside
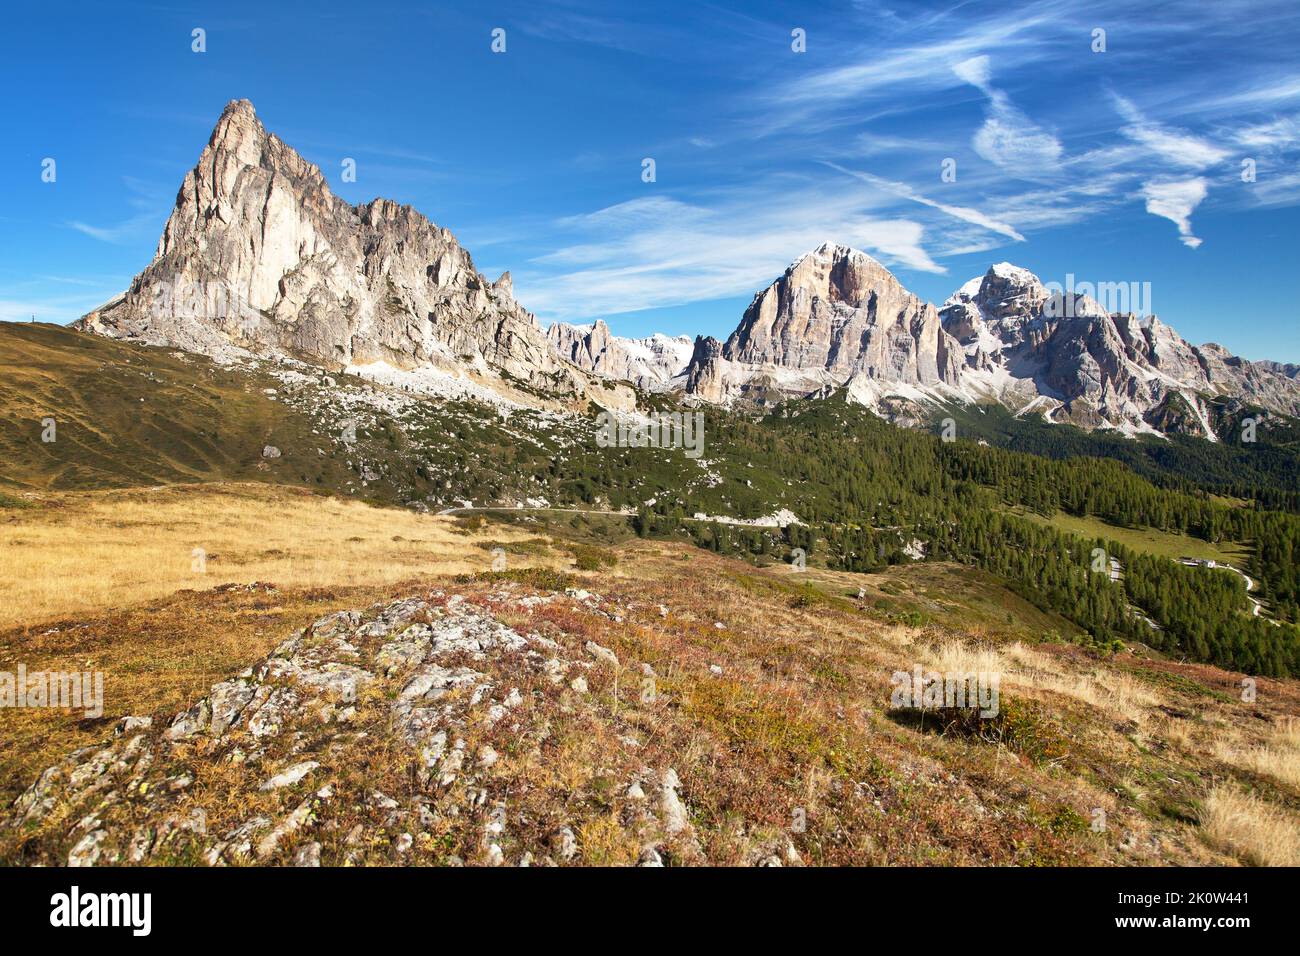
1165, 544
772, 704
129, 415
867, 494
69, 553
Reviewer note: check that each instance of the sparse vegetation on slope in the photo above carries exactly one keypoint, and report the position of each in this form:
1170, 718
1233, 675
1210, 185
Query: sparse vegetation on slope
770, 720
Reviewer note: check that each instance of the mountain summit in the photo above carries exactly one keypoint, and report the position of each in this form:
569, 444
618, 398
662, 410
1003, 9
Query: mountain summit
650, 363
259, 254
838, 318
836, 314
1065, 353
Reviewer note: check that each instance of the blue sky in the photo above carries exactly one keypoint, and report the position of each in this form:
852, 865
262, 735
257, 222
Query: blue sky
1118, 166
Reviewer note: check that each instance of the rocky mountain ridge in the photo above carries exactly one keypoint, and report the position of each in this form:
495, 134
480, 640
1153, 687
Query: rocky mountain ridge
650, 363
259, 255
839, 319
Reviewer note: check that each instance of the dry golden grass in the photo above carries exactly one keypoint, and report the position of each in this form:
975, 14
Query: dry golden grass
1113, 693
1277, 757
1258, 833
83, 552
956, 657
103, 581
798, 718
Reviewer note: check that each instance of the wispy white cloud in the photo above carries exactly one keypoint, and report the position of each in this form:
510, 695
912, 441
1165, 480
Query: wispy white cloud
1175, 146
660, 251
120, 232
964, 213
873, 144
1258, 95
917, 67
51, 308
1009, 139
1274, 134
151, 203
1175, 200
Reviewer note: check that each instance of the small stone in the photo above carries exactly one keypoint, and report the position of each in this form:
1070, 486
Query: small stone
270, 451
486, 756
129, 725
650, 857
671, 809
288, 825
88, 849
602, 653
403, 843
308, 855
579, 684
715, 669
289, 776
564, 844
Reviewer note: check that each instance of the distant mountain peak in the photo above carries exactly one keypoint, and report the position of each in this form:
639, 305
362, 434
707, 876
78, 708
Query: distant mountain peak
650, 363
838, 319
834, 313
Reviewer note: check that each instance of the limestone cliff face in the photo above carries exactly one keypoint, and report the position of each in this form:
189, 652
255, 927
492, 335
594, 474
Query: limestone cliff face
705, 376
1099, 368
650, 363
259, 253
839, 310
835, 315
837, 318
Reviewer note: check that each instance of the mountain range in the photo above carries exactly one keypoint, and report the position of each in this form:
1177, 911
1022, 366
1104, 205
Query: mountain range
651, 363
368, 593
837, 318
259, 256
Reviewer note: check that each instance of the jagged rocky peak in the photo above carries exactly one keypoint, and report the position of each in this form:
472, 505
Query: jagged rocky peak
259, 254
1065, 352
838, 318
1001, 301
705, 376
839, 309
834, 314
649, 363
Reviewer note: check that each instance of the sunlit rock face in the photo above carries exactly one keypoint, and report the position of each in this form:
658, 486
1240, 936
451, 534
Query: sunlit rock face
259, 254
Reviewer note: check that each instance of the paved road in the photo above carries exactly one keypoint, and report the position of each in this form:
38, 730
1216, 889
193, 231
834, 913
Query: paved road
1250, 586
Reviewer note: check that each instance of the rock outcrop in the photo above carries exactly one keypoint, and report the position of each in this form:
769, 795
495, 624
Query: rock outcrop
259, 254
650, 363
369, 737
